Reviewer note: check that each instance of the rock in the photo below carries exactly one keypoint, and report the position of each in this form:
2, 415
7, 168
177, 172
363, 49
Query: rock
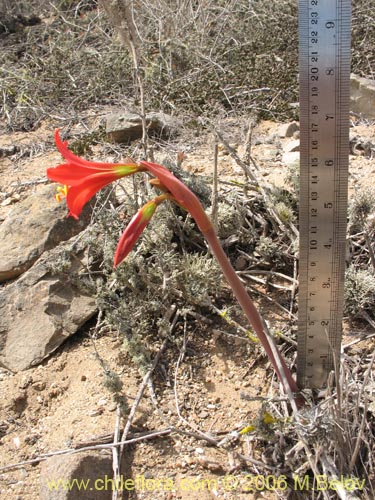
291, 159
18, 403
291, 146
9, 150
287, 129
44, 307
362, 96
89, 468
126, 127
360, 146
36, 224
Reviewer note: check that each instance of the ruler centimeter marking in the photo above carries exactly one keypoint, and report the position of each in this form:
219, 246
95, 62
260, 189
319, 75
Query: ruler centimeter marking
324, 68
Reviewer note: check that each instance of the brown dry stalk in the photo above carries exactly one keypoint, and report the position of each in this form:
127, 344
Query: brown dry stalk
120, 14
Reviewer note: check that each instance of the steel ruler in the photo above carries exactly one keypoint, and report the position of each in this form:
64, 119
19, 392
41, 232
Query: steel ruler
324, 68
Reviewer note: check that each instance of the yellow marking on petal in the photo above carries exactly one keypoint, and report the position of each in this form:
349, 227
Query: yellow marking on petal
62, 192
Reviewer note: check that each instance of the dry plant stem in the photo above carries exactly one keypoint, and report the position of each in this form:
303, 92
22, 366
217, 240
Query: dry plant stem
247, 155
360, 395
294, 288
368, 318
142, 104
138, 398
121, 16
115, 453
270, 299
140, 392
288, 228
183, 432
171, 312
214, 186
249, 309
330, 470
71, 451
370, 251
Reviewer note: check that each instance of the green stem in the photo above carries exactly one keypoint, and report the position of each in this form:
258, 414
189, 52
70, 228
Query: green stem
249, 309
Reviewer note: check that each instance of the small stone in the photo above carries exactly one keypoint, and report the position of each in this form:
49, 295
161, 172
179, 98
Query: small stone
26, 381
292, 146
17, 442
76, 469
126, 127
112, 407
18, 403
39, 385
291, 159
23, 473
288, 129
362, 96
95, 413
240, 263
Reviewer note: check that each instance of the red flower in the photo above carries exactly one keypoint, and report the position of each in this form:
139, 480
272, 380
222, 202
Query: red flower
85, 178
136, 227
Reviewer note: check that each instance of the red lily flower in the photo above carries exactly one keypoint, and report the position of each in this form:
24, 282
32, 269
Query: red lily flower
85, 178
136, 227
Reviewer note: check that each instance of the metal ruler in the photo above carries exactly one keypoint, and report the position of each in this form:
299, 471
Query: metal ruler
324, 65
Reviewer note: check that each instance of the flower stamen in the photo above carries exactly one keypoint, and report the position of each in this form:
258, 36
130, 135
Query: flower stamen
62, 192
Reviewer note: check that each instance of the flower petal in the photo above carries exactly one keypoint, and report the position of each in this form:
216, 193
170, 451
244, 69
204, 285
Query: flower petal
72, 175
77, 160
79, 194
133, 231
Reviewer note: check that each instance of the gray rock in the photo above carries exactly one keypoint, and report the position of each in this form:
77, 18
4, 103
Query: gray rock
44, 307
126, 127
361, 146
291, 146
291, 159
36, 224
362, 96
93, 469
287, 129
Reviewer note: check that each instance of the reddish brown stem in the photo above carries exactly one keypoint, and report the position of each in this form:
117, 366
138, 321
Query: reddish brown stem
248, 307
